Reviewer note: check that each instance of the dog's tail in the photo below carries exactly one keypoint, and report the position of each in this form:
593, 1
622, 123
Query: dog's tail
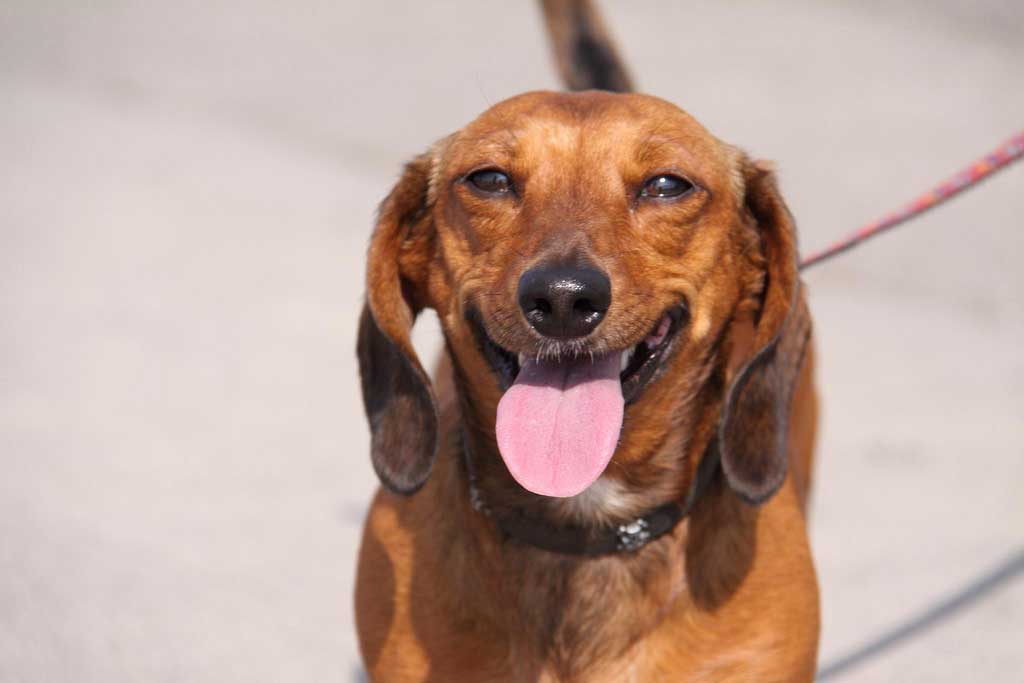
584, 52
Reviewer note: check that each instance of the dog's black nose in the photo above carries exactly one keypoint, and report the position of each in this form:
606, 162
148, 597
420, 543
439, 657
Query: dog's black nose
564, 301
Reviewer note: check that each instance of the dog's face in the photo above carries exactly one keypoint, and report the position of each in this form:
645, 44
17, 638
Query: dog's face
602, 266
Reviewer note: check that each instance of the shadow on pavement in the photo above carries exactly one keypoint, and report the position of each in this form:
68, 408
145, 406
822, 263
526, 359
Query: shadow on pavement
965, 597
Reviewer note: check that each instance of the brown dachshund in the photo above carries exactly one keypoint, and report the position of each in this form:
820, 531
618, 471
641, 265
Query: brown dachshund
595, 488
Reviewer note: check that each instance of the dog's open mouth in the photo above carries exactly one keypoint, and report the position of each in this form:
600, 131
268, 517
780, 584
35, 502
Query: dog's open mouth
638, 364
559, 420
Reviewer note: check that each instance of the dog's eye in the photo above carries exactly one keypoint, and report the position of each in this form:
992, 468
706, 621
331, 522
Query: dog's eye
666, 186
490, 181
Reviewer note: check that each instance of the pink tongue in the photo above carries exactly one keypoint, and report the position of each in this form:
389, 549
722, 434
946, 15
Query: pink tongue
558, 425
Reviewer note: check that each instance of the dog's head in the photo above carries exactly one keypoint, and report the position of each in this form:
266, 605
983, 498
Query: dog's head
608, 272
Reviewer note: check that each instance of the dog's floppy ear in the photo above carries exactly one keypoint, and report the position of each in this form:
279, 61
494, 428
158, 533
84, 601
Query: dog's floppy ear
753, 428
399, 401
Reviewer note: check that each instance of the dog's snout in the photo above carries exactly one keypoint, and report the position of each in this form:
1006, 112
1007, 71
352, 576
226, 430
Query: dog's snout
564, 301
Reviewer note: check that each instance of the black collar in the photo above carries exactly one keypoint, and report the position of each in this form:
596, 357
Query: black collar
579, 540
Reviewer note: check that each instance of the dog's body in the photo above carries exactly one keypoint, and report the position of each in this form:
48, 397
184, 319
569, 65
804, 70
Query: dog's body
686, 256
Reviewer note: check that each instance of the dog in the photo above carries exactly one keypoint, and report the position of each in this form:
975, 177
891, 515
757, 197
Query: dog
607, 479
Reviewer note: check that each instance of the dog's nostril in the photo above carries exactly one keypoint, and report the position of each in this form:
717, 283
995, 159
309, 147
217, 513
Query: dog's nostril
542, 305
584, 307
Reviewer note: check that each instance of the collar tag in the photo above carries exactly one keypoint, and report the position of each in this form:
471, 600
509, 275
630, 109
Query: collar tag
633, 536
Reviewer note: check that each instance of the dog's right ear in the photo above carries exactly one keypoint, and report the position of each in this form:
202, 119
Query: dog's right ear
397, 395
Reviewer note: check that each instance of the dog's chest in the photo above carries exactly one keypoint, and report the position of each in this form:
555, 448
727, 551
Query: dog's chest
606, 498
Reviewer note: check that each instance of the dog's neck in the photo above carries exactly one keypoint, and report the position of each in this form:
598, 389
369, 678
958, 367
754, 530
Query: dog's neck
601, 501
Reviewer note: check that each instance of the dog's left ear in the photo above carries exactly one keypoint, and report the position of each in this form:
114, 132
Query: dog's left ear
752, 431
399, 401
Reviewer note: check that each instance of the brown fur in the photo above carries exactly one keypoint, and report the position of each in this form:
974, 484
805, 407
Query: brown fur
731, 593
583, 50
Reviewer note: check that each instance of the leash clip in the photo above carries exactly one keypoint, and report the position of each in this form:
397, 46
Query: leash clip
633, 536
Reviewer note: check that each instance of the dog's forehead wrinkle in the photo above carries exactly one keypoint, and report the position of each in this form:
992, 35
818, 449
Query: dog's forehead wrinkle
551, 135
562, 123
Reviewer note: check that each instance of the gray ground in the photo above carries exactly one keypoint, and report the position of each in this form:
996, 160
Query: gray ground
186, 193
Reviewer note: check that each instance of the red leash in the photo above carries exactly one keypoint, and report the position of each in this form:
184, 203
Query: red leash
1010, 151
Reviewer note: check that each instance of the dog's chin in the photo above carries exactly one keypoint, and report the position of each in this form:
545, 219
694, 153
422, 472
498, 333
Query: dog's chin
640, 364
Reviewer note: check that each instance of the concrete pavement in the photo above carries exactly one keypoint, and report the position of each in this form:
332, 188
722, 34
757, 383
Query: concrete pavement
187, 190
